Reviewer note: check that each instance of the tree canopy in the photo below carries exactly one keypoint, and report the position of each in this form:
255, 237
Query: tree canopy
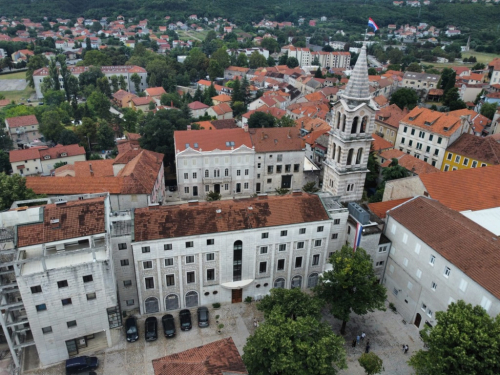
291, 303
463, 342
405, 97
489, 109
13, 188
261, 120
351, 286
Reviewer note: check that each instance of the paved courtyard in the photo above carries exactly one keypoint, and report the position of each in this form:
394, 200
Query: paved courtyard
386, 331
13, 84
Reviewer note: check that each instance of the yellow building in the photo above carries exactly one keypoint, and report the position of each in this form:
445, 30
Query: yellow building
470, 151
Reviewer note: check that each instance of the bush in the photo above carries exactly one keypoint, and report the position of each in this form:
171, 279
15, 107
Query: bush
216, 305
392, 307
248, 299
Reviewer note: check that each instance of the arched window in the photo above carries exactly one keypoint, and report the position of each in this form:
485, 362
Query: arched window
171, 302
279, 283
338, 120
349, 156
343, 123
338, 154
237, 258
333, 151
206, 173
297, 282
359, 156
226, 172
151, 305
354, 126
363, 124
312, 280
191, 299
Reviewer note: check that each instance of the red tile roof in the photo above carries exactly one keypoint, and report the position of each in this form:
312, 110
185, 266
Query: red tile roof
380, 208
479, 148
465, 244
15, 122
209, 141
225, 216
76, 219
433, 121
145, 100
57, 151
391, 115
222, 98
276, 139
411, 163
222, 108
24, 154
217, 358
380, 144
197, 105
155, 91
4, 102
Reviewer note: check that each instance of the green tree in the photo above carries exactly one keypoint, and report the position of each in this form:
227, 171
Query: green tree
282, 346
222, 58
452, 99
371, 363
261, 120
96, 58
281, 191
242, 60
95, 156
105, 136
405, 97
310, 187
50, 125
99, 103
489, 109
90, 77
103, 86
213, 196
215, 70
5, 140
35, 62
122, 82
68, 137
351, 287
285, 122
5, 166
463, 342
318, 73
414, 67
447, 80
257, 60
54, 75
271, 61
136, 79
283, 59
13, 188
373, 168
270, 44
291, 303
372, 71
152, 80
394, 171
87, 132
115, 84
292, 62
59, 164
239, 108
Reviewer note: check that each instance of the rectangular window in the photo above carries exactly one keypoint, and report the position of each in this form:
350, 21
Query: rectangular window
434, 285
91, 296
190, 277
41, 307
317, 243
194, 175
431, 137
207, 188
282, 247
446, 167
189, 259
432, 260
423, 307
238, 172
474, 164
279, 157
300, 245
410, 143
186, 176
466, 161
382, 249
167, 246
71, 324
169, 262
245, 186
36, 289
296, 168
283, 233
421, 134
405, 261
315, 259
429, 313
170, 280
127, 283
395, 291
336, 221
269, 169
379, 264
440, 140
302, 231
463, 285
124, 262
405, 129
262, 267
264, 235
226, 187
409, 286
246, 172
288, 168
457, 159
210, 242
62, 284
146, 249
298, 262
130, 302
210, 274
186, 190
189, 244
147, 264
281, 265
485, 303
210, 257
448, 157
405, 238
149, 282
87, 278
46, 330
403, 140
447, 271
419, 274
122, 246
263, 249
320, 229
412, 131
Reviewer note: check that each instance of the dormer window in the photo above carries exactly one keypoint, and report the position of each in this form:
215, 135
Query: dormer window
46, 157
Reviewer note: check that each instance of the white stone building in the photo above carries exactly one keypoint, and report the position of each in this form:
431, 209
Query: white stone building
438, 256
353, 119
225, 251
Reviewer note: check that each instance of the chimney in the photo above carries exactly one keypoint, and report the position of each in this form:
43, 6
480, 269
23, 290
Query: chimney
245, 128
262, 135
289, 133
91, 171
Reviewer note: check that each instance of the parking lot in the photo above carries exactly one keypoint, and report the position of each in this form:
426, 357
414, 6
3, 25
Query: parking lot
385, 330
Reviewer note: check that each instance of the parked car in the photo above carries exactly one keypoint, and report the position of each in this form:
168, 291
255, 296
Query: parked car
203, 317
151, 328
131, 329
78, 364
40, 103
168, 325
185, 318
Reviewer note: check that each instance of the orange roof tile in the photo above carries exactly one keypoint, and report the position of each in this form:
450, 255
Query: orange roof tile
276, 139
205, 125
391, 115
208, 141
380, 208
380, 144
222, 108
145, 100
15, 122
433, 121
381, 100
25, 154
222, 98
57, 151
155, 91
197, 105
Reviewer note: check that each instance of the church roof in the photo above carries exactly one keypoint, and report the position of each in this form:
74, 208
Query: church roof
358, 88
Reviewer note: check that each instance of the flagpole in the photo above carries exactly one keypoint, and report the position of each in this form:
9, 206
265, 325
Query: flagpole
366, 32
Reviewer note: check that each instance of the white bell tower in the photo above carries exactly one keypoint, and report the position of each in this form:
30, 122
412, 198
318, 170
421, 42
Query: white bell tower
353, 118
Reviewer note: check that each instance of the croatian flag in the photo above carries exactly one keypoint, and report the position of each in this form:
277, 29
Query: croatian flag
357, 238
372, 24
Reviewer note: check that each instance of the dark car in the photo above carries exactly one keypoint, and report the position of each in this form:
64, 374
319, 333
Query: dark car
131, 329
168, 325
78, 364
185, 318
151, 328
203, 317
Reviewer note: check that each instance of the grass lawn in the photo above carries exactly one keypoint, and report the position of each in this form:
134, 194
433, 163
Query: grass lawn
16, 75
17, 95
482, 57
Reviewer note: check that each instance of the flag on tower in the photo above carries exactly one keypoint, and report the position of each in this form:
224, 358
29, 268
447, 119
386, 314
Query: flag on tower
372, 24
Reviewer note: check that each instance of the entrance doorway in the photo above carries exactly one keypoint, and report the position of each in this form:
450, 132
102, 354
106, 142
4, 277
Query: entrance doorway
286, 182
237, 295
217, 188
258, 187
418, 319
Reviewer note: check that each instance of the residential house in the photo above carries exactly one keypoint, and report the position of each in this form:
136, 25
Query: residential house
413, 165
155, 93
22, 130
387, 122
122, 98
470, 151
223, 98
21, 55
198, 109
420, 81
221, 111
141, 103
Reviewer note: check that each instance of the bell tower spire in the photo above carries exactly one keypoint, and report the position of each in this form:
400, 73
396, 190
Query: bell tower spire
350, 136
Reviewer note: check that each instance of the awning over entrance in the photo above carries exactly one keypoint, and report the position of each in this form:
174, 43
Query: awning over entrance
237, 284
